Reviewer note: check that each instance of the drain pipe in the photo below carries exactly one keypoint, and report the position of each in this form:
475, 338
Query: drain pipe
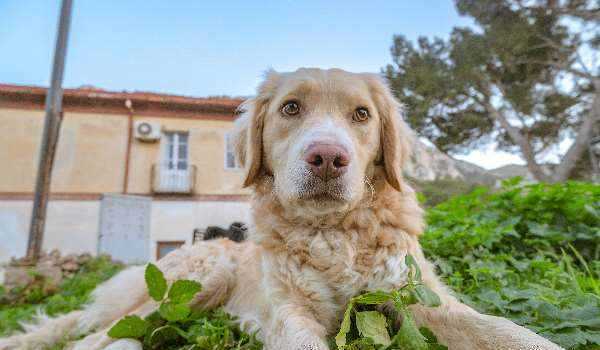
129, 106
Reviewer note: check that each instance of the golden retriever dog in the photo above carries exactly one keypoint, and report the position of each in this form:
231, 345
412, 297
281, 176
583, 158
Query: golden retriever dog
332, 217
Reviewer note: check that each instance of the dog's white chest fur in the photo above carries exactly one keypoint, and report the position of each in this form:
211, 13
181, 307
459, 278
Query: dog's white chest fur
356, 269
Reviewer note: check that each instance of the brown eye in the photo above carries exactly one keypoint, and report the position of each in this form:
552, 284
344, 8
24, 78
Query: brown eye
361, 114
290, 108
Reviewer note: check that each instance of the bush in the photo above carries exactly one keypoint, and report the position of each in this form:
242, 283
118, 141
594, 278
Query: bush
432, 193
529, 253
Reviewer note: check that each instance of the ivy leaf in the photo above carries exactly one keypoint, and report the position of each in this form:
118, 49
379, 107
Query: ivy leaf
129, 327
372, 324
340, 338
156, 282
174, 312
426, 296
183, 291
411, 263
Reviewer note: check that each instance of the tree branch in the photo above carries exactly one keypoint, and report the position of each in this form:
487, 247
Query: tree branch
561, 66
518, 138
582, 140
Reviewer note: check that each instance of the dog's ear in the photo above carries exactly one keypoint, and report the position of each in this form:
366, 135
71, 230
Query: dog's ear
249, 128
395, 135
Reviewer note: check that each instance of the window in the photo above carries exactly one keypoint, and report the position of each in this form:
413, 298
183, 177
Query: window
230, 160
165, 247
174, 173
176, 152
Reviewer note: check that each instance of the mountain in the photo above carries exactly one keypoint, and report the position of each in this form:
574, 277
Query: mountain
427, 163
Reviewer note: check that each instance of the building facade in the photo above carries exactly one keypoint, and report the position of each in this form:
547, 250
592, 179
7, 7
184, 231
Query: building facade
134, 173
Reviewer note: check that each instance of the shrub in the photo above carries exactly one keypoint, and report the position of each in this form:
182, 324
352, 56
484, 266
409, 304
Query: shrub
432, 193
528, 252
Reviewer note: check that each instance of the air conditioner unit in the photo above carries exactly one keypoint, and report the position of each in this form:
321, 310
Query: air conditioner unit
146, 131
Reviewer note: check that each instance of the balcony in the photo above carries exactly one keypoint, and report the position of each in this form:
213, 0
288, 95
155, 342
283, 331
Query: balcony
169, 180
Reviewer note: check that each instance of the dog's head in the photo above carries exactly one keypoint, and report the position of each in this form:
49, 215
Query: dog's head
321, 136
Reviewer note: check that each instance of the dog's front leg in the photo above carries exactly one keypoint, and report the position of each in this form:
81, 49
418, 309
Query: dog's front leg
459, 327
293, 327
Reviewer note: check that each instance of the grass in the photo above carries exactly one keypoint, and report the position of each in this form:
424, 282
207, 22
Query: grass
530, 253
72, 294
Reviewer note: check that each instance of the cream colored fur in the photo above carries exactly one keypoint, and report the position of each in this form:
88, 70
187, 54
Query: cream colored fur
306, 257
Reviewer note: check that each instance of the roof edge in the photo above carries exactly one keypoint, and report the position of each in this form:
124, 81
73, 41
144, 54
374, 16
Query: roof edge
111, 100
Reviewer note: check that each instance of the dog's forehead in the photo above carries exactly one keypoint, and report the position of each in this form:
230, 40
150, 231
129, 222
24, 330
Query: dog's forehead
331, 84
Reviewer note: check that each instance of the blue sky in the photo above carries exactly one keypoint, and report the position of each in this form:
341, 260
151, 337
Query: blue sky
203, 48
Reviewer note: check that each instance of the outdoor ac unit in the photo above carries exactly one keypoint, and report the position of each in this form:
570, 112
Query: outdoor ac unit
146, 131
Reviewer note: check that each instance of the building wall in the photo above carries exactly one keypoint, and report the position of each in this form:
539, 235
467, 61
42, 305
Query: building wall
21, 132
73, 226
92, 152
206, 152
90, 160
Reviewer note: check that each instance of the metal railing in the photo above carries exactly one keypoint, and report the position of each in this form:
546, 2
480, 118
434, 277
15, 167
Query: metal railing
169, 180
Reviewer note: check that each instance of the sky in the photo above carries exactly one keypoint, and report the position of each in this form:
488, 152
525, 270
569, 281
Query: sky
202, 48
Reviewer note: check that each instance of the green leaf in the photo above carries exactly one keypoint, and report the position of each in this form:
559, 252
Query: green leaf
174, 312
373, 298
156, 282
340, 338
372, 324
411, 263
426, 296
163, 335
183, 291
129, 327
408, 336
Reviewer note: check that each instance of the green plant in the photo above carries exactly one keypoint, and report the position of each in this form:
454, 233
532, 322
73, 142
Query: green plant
71, 294
175, 326
367, 329
527, 252
438, 191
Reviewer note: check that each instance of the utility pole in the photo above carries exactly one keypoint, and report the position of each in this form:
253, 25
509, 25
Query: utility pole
49, 137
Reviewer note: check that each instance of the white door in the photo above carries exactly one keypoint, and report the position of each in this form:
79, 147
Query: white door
175, 172
125, 227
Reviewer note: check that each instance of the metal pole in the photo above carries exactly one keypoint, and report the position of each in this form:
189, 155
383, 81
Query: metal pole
49, 137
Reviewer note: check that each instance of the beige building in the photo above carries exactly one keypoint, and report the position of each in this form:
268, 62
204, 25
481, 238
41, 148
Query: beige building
134, 174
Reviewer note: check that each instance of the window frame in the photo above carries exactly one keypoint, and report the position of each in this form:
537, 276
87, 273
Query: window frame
165, 159
163, 243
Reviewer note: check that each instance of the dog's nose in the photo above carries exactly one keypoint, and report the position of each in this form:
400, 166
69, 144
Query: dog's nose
327, 161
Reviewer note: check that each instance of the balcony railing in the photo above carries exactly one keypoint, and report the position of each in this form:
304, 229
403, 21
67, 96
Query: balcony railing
165, 179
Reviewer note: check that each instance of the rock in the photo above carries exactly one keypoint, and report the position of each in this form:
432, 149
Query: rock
476, 174
427, 163
17, 276
70, 266
84, 258
52, 273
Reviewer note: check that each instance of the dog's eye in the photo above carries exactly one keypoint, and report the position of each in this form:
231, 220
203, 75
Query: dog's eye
361, 114
290, 108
